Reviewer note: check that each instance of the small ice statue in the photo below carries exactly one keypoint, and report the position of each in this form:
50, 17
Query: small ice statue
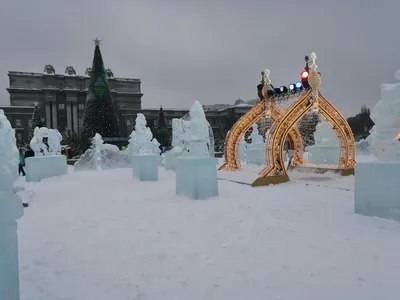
145, 157
196, 134
386, 116
46, 141
140, 142
11, 209
177, 132
97, 145
257, 140
54, 142
324, 135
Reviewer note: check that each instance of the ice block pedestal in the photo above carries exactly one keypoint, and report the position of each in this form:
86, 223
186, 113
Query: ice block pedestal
45, 166
377, 189
145, 167
255, 156
11, 209
196, 177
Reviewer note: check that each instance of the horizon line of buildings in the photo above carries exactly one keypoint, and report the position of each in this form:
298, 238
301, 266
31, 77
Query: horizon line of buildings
62, 99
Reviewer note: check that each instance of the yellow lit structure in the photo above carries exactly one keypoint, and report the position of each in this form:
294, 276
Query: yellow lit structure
284, 127
311, 99
265, 108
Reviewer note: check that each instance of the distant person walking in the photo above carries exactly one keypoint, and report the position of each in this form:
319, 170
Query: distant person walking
21, 163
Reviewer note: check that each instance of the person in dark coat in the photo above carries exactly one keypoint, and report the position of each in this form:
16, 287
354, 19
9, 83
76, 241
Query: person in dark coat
29, 152
21, 164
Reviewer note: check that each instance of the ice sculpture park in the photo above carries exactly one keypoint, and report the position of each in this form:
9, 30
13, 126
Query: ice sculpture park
123, 224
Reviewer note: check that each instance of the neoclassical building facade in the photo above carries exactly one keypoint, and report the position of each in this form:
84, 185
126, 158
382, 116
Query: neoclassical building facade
62, 100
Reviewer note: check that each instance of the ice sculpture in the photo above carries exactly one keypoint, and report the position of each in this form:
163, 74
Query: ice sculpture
255, 152
364, 146
386, 116
177, 144
47, 162
145, 158
326, 148
376, 183
242, 149
101, 156
11, 209
196, 169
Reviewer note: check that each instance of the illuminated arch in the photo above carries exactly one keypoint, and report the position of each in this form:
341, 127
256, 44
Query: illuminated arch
275, 171
231, 150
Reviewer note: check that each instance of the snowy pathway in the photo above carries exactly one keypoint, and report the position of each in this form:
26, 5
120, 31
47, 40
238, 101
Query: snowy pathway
100, 236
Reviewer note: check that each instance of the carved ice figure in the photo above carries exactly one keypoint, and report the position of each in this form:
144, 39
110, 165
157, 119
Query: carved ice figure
54, 141
386, 116
324, 135
97, 143
35, 143
256, 138
8, 151
140, 141
177, 132
196, 133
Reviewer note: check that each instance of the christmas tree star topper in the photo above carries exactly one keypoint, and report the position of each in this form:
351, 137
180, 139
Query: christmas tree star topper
97, 42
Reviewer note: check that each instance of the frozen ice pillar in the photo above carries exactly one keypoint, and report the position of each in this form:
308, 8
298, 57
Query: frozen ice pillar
11, 209
145, 151
196, 169
376, 183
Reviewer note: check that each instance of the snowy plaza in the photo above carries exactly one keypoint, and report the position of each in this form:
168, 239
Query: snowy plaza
100, 235
285, 196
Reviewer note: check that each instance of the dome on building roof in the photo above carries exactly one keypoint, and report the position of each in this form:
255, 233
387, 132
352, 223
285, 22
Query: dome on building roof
49, 69
88, 72
70, 70
109, 73
239, 101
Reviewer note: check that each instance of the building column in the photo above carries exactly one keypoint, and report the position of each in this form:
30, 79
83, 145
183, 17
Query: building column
48, 115
54, 112
69, 117
75, 117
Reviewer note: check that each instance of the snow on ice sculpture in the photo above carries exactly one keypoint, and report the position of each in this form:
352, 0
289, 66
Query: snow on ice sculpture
177, 144
376, 182
196, 170
47, 162
11, 209
100, 156
326, 148
364, 146
145, 160
255, 152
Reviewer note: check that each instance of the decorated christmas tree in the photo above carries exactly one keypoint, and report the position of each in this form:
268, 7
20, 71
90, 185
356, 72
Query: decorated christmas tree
36, 119
161, 119
100, 110
161, 132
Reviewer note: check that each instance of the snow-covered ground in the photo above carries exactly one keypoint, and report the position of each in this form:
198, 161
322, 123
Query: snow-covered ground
101, 236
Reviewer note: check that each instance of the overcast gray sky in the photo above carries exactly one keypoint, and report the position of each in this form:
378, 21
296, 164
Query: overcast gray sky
209, 50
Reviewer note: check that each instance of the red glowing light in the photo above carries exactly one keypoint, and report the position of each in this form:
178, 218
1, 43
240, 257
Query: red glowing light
304, 74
